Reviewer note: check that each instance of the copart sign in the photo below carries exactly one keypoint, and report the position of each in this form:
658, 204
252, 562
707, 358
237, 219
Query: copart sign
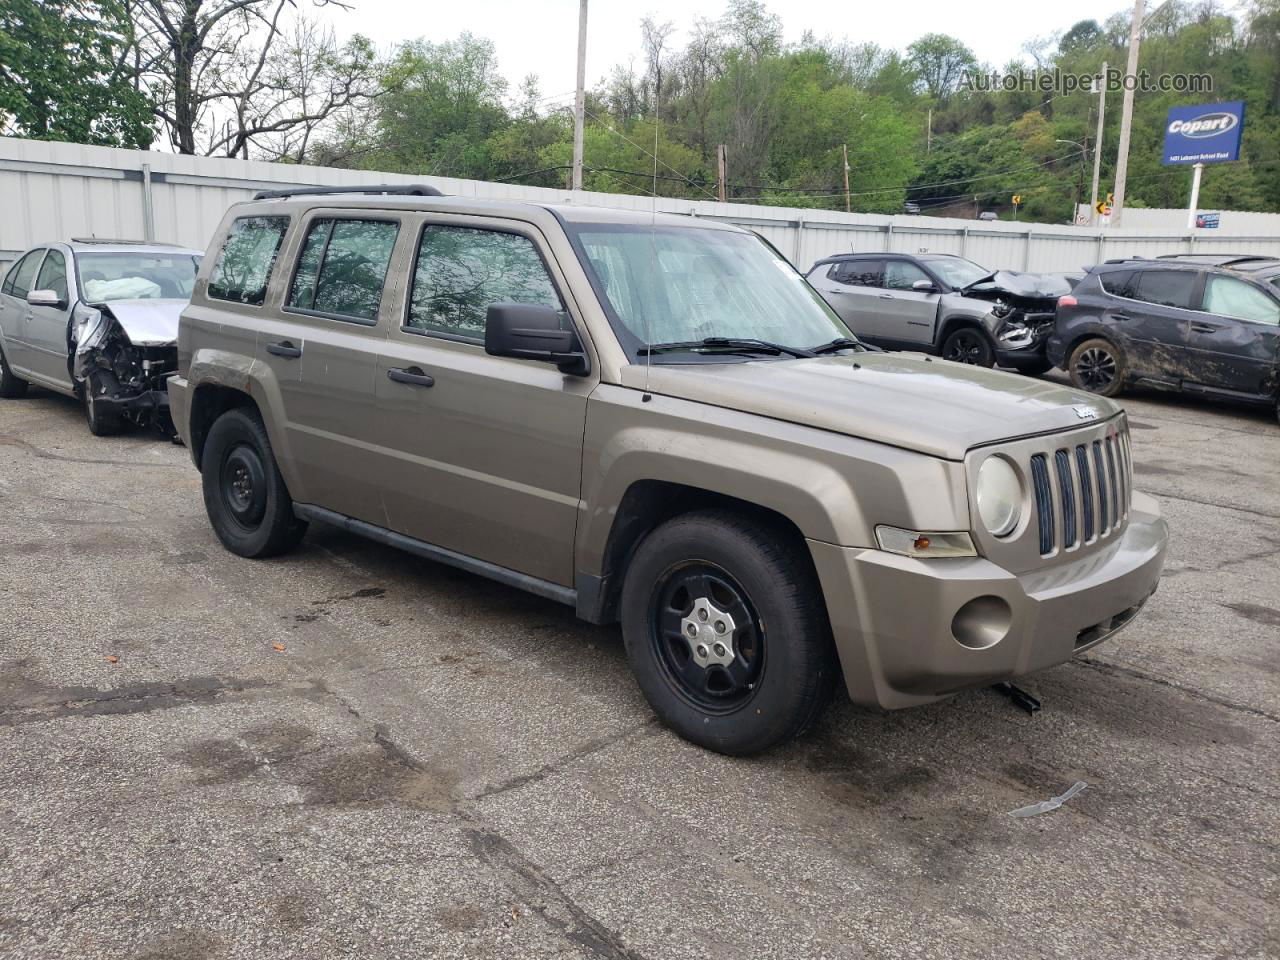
1209, 133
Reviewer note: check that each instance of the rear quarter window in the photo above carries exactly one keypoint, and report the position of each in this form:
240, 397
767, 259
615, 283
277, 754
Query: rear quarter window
248, 254
1118, 283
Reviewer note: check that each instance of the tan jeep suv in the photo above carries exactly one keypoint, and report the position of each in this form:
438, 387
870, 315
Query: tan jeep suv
656, 420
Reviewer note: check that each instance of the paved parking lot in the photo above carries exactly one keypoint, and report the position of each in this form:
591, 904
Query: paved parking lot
350, 752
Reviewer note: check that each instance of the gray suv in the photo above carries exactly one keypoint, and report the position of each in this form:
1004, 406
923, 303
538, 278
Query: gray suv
657, 421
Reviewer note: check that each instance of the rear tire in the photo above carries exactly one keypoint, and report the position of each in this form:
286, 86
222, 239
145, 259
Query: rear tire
1098, 366
969, 345
245, 496
11, 386
102, 422
733, 687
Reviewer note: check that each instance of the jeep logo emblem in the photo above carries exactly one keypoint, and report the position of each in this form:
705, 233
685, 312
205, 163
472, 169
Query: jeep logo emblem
1086, 413
1205, 125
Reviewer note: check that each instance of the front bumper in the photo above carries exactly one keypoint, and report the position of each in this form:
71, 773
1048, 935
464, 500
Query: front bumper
180, 410
904, 639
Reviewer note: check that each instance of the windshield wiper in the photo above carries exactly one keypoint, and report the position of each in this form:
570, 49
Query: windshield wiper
733, 344
838, 344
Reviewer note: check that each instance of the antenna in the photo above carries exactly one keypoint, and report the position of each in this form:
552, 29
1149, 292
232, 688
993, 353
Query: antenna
653, 249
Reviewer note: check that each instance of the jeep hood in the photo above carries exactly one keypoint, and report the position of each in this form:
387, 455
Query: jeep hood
147, 323
919, 403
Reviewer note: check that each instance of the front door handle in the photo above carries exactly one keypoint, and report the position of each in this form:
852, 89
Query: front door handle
284, 349
886, 296
413, 376
1203, 328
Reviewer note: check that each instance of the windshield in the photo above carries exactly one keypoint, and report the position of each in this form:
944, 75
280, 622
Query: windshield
674, 285
136, 276
958, 272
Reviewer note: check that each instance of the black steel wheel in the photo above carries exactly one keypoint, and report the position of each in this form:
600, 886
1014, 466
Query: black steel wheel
1098, 366
696, 598
245, 496
968, 345
707, 636
243, 483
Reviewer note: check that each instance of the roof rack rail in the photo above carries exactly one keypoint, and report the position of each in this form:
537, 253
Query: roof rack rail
139, 243
407, 190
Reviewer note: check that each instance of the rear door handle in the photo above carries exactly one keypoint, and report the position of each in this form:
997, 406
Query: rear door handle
413, 376
1203, 328
1120, 316
886, 296
284, 349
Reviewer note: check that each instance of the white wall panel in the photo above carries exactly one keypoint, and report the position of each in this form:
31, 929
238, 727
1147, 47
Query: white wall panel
59, 190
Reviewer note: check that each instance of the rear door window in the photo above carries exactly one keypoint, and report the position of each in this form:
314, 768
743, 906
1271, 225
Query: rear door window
342, 268
244, 264
461, 271
53, 274
860, 273
1229, 297
20, 277
1167, 288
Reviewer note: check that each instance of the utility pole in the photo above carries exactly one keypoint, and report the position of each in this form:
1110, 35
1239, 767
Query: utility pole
722, 164
848, 208
1097, 148
579, 104
928, 132
1195, 195
1126, 111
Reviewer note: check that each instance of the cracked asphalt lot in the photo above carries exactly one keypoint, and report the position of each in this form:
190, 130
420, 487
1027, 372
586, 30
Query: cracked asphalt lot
351, 752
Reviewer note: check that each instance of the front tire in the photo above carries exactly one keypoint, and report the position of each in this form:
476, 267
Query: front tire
102, 421
245, 496
968, 345
11, 386
1098, 366
697, 597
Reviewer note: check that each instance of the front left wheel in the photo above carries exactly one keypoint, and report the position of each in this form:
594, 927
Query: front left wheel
103, 420
245, 496
726, 631
968, 345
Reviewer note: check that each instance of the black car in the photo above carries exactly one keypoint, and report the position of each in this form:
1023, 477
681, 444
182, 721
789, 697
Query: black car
1205, 324
942, 304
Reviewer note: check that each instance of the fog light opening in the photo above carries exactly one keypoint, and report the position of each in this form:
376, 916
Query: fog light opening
982, 622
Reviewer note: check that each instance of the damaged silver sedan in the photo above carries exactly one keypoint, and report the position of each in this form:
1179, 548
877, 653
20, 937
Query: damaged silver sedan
97, 320
945, 305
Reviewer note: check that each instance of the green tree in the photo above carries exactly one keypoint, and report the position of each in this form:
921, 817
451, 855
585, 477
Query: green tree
67, 72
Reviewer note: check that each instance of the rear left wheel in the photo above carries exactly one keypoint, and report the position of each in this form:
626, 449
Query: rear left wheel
11, 386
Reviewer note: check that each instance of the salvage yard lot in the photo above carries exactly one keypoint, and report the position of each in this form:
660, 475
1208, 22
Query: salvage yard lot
349, 751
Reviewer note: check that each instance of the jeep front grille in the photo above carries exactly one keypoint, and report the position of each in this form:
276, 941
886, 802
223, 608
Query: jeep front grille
1081, 490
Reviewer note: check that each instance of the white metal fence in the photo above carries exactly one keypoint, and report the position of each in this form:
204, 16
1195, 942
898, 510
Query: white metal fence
51, 191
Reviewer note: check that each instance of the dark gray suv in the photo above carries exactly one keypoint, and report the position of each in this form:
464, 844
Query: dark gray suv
1206, 324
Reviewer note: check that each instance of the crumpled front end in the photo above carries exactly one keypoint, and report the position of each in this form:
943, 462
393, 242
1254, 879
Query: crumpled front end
125, 377
1023, 308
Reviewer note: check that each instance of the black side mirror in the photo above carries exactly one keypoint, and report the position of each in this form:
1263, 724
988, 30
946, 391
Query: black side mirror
533, 332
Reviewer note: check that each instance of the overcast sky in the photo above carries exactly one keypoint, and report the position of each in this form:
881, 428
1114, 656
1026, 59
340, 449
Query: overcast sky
540, 36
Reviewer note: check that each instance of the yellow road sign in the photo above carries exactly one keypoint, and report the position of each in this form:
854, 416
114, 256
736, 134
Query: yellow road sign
1017, 199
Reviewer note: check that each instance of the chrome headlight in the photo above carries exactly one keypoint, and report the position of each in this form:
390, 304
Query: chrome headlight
999, 496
